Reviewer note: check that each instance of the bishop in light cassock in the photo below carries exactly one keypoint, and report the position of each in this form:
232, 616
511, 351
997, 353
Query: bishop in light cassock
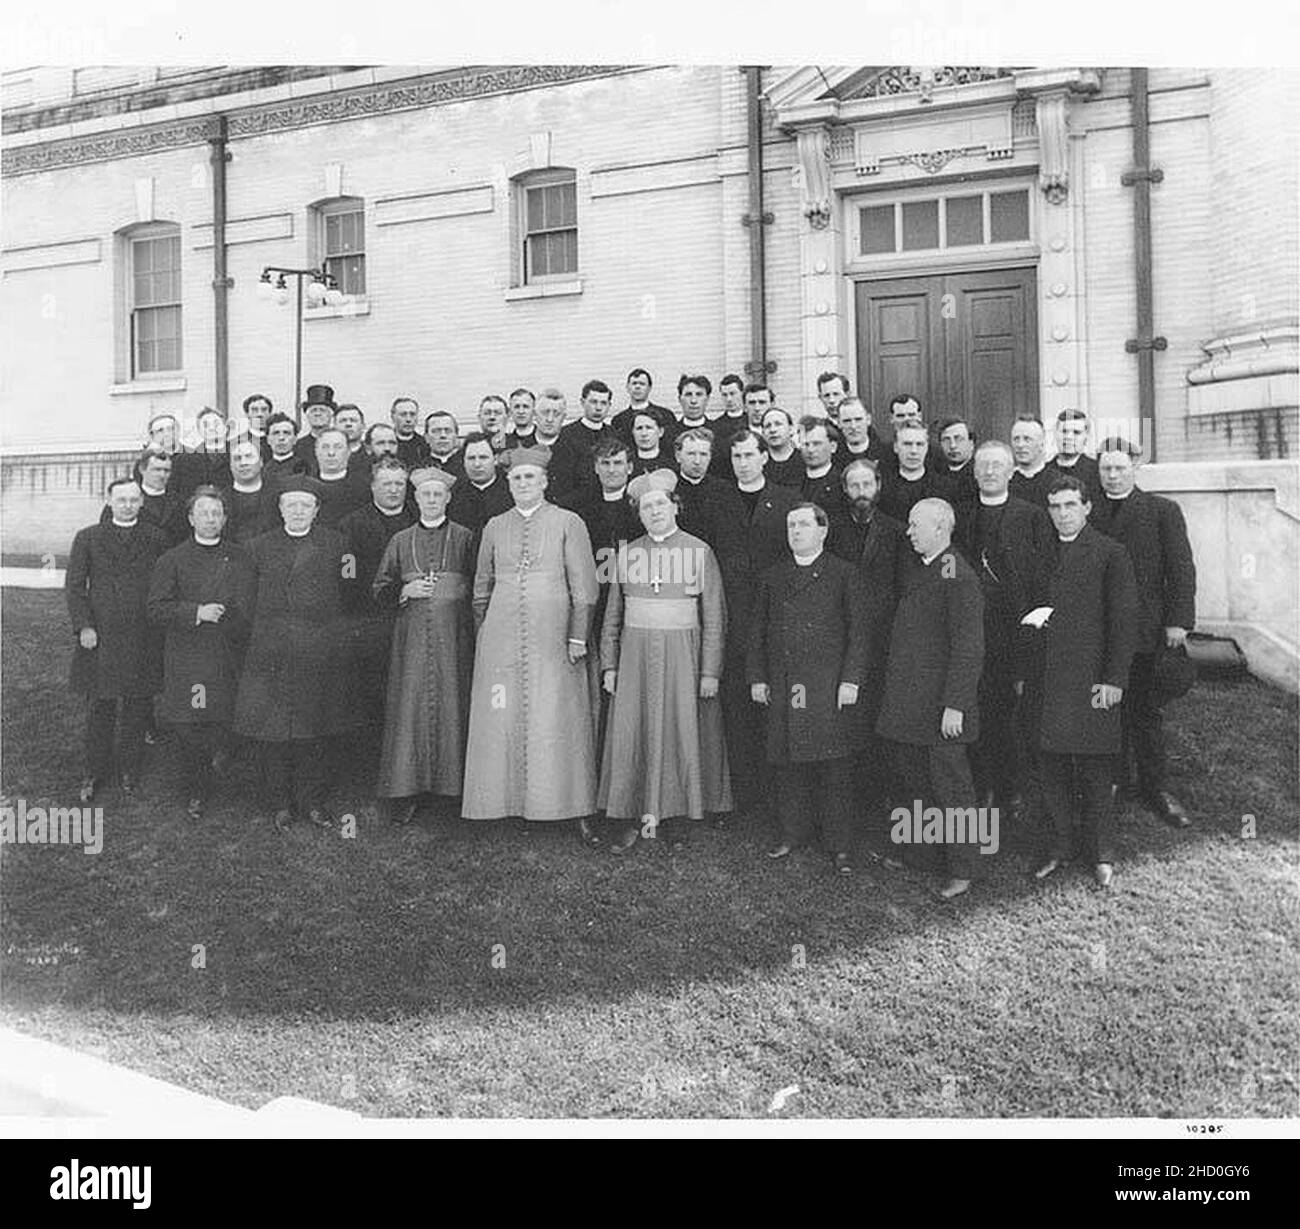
426, 574
533, 711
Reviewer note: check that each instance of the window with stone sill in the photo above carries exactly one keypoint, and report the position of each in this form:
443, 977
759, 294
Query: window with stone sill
546, 227
340, 243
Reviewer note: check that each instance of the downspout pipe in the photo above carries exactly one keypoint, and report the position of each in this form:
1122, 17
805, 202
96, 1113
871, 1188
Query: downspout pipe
221, 281
756, 219
1141, 177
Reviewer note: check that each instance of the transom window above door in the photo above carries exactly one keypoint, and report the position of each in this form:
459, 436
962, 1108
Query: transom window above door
960, 219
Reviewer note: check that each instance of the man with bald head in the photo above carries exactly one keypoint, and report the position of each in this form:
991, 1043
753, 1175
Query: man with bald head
929, 709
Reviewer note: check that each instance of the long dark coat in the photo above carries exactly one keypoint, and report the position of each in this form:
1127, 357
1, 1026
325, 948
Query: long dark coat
936, 652
297, 673
1152, 530
107, 587
881, 551
761, 544
1088, 640
807, 636
201, 654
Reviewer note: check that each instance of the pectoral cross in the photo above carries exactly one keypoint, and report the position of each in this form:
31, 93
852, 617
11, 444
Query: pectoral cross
654, 583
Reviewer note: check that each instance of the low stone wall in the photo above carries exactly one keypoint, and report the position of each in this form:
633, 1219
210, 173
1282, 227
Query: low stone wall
45, 499
1243, 518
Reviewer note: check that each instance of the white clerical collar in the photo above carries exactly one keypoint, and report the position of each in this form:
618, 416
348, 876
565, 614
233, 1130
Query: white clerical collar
1124, 496
248, 488
1070, 538
694, 422
662, 537
283, 456
820, 473
956, 469
753, 486
206, 541
591, 426
126, 524
446, 456
1031, 473
807, 560
929, 559
389, 511
693, 481
353, 449
859, 452
483, 486
994, 501
740, 413
433, 524
528, 511
635, 406
333, 477
647, 456
612, 497
297, 533
789, 452
914, 475
404, 438
144, 490
1062, 463
545, 440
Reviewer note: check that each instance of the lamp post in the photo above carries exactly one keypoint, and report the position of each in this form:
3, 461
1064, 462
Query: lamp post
321, 288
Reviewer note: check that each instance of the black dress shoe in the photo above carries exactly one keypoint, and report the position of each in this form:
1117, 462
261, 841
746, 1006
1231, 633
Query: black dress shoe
589, 835
625, 840
402, 810
1165, 806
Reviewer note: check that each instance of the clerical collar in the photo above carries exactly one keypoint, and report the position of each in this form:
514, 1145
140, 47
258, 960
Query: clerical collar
1117, 498
126, 524
1070, 538
433, 524
282, 456
994, 501
753, 486
692, 481
807, 560
591, 426
483, 486
297, 533
740, 413
147, 491
612, 497
519, 435
333, 477
389, 511
647, 456
694, 422
441, 456
860, 452
404, 438
820, 473
1031, 473
929, 559
207, 541
528, 511
249, 488
914, 475
789, 452
545, 440
956, 469
663, 537
1062, 463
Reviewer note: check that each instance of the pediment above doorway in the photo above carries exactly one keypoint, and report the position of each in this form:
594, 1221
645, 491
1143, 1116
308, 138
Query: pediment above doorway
888, 124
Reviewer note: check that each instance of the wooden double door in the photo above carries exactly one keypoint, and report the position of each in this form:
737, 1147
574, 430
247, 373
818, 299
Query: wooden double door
965, 344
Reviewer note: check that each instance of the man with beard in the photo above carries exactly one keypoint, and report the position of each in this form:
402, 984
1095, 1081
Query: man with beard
200, 594
863, 535
253, 501
425, 578
381, 441
294, 694
412, 451
341, 489
116, 661
366, 533
484, 493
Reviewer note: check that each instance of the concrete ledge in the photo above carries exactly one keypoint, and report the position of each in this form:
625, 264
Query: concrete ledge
1268, 656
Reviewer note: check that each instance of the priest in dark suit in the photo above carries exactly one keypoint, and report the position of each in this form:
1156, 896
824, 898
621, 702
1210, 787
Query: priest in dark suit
806, 664
571, 473
117, 659
1152, 529
930, 706
484, 492
1087, 648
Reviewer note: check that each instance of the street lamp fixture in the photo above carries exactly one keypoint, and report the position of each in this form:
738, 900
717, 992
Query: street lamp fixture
322, 289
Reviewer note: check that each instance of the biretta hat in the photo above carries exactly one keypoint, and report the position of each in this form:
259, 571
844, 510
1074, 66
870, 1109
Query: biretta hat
655, 480
431, 473
537, 455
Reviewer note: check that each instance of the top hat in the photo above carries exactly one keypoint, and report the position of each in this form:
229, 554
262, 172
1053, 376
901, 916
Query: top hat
319, 394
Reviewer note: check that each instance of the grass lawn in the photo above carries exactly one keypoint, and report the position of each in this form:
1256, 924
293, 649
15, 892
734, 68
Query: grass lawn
367, 972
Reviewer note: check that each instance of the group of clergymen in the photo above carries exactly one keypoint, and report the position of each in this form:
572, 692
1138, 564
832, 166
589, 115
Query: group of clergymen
639, 619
